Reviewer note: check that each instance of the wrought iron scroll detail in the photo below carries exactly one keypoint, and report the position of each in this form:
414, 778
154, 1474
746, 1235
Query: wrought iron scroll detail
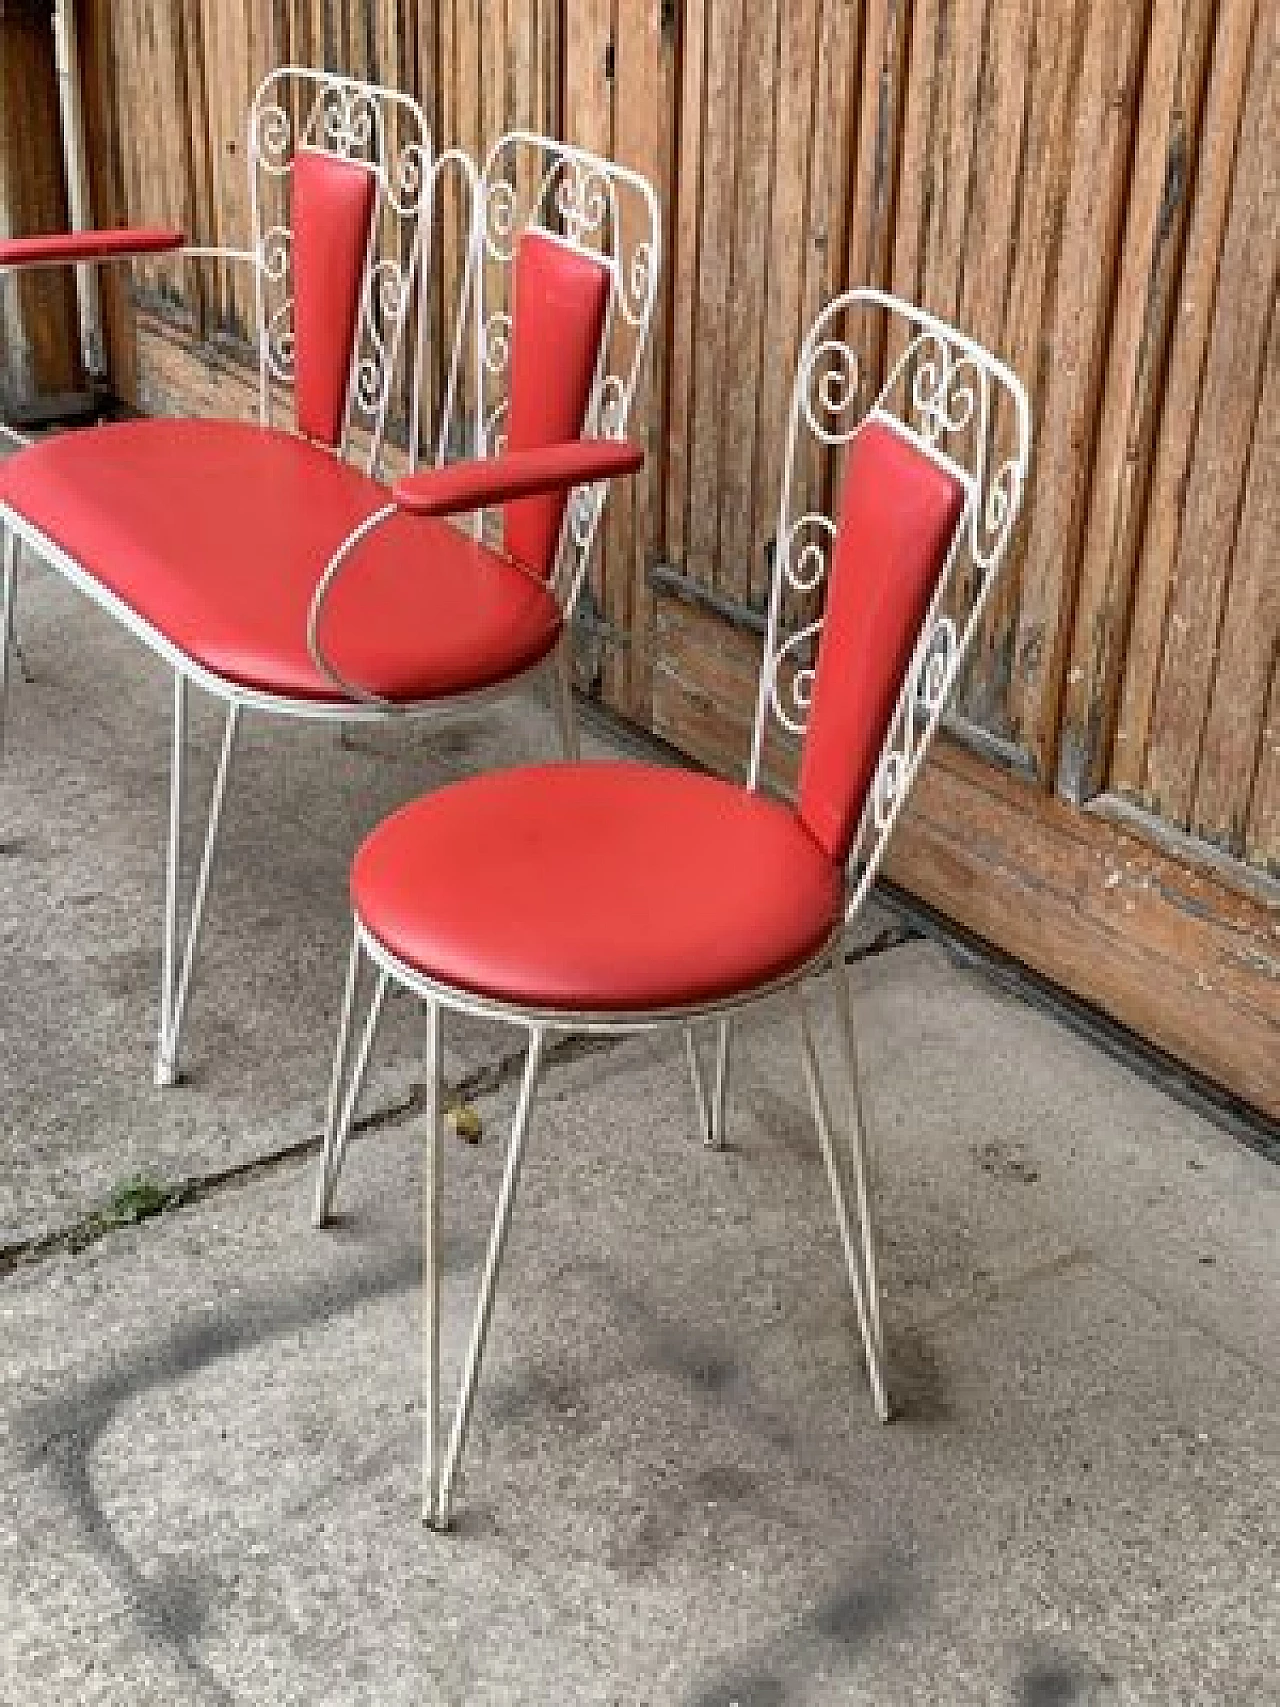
597, 209
300, 109
941, 393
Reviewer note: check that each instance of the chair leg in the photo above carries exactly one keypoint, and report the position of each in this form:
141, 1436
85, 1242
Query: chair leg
859, 1246
864, 1165
341, 1108
562, 698
8, 639
432, 1183
711, 1108
439, 1489
175, 984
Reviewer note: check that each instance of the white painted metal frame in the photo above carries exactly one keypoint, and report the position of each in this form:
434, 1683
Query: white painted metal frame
298, 110
944, 387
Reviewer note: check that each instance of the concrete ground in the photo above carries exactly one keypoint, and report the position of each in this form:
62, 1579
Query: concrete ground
675, 1490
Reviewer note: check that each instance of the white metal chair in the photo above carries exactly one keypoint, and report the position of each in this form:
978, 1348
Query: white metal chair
261, 563
619, 898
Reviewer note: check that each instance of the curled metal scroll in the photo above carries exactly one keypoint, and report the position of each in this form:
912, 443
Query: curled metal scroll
384, 132
941, 393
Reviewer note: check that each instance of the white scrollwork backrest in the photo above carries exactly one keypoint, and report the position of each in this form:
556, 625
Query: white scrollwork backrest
597, 208
966, 411
297, 108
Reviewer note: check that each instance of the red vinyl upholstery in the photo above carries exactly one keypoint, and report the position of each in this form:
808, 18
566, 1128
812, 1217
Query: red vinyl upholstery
216, 533
333, 202
600, 887
557, 322
70, 247
898, 513
463, 486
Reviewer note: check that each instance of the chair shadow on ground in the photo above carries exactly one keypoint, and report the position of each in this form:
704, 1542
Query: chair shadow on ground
59, 1435
172, 1606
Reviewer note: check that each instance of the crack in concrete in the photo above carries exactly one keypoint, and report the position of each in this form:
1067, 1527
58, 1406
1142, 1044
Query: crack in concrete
487, 1080
95, 1224
884, 941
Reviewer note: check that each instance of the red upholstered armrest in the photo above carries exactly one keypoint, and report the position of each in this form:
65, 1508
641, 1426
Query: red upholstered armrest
68, 248
466, 486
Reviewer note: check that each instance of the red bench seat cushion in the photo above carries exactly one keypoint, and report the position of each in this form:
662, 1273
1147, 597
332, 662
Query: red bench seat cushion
215, 534
603, 887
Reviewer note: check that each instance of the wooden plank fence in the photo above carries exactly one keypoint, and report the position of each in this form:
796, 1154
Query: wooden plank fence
1090, 189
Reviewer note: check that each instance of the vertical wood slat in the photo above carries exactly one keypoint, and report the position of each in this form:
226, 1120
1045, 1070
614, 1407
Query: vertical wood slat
589, 60
1000, 125
1011, 97
470, 134
493, 92
710, 354
1092, 221
1231, 752
1262, 840
739, 551
823, 256
226, 32
683, 264
195, 281
872, 203
1151, 256
428, 50
1228, 409
450, 219
645, 66
108, 198
39, 324
1224, 103
917, 129
962, 35
782, 329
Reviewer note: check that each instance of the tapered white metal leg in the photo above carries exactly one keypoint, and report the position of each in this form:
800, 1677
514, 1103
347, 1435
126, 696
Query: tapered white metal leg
176, 980
699, 1085
344, 1032
166, 1067
721, 1092
342, 1107
864, 1171
432, 1181
711, 1106
562, 696
858, 1251
8, 600
439, 1518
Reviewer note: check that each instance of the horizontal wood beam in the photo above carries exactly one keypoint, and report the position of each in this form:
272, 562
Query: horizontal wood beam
1175, 955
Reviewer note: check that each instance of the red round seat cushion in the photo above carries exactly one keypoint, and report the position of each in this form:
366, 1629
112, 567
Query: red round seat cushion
606, 887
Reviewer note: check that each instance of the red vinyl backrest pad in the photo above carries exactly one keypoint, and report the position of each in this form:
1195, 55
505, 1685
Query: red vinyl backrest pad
897, 518
560, 297
333, 206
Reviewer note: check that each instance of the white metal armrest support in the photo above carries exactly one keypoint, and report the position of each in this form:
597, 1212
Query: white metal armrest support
464, 489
